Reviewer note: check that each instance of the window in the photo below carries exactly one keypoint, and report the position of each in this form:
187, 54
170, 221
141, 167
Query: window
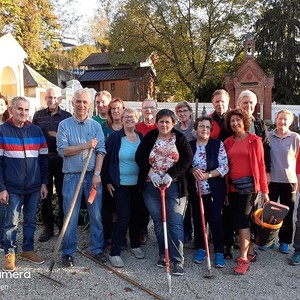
112, 86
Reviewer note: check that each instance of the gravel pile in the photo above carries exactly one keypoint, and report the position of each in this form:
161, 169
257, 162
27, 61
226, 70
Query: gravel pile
270, 277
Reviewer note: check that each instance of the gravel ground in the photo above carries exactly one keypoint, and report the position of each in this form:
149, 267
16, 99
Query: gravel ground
270, 277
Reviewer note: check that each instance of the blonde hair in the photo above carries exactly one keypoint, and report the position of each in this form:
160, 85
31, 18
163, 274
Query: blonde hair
287, 112
131, 110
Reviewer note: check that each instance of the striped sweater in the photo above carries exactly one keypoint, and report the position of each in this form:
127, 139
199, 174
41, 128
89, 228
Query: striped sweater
23, 158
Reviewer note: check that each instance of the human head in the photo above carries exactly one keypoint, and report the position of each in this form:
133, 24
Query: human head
242, 114
284, 119
130, 112
19, 109
149, 110
220, 101
247, 101
184, 111
203, 127
102, 100
114, 110
53, 99
81, 102
165, 121
3, 108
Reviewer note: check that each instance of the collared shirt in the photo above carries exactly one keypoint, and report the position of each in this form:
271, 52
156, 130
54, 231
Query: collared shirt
72, 132
49, 122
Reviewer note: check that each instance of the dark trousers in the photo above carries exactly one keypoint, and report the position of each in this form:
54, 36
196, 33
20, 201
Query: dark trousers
188, 226
213, 216
108, 208
286, 193
55, 179
144, 217
127, 201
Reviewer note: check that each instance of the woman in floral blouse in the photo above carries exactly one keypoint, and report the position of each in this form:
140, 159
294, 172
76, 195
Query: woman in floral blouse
164, 155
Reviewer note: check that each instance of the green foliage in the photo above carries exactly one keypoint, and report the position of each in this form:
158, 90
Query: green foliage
189, 37
278, 46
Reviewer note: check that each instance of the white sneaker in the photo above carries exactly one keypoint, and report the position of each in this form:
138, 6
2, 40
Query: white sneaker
116, 261
138, 252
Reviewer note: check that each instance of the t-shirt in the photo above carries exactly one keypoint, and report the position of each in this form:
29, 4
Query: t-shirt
144, 128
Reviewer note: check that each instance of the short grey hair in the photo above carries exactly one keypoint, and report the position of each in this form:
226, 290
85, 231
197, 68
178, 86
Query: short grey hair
80, 92
247, 93
14, 101
152, 100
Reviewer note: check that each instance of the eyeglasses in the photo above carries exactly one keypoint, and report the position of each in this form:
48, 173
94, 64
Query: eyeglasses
204, 127
184, 111
149, 107
115, 108
129, 117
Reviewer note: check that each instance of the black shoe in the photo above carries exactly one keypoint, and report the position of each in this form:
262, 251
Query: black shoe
143, 238
178, 269
187, 237
161, 262
100, 257
228, 250
46, 235
67, 261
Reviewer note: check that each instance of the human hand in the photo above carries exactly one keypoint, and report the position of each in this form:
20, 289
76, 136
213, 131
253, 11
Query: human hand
4, 197
156, 180
110, 189
264, 199
91, 144
166, 180
43, 191
226, 200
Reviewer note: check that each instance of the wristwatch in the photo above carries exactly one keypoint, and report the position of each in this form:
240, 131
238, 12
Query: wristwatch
97, 173
209, 175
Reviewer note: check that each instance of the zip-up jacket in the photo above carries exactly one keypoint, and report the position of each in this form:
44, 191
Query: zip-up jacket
23, 158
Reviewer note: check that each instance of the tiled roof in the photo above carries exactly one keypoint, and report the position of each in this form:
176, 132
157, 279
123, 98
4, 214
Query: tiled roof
96, 59
103, 75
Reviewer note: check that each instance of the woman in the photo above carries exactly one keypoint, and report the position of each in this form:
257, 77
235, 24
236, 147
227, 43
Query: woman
113, 123
163, 156
4, 115
120, 175
185, 125
284, 151
209, 166
246, 167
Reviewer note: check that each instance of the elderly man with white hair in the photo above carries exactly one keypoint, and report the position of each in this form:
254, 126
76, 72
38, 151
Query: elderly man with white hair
75, 137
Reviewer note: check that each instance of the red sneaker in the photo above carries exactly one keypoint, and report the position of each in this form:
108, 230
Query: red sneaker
242, 266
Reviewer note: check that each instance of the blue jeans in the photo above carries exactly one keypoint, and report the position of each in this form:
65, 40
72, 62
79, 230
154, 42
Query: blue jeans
96, 230
2, 222
13, 209
175, 209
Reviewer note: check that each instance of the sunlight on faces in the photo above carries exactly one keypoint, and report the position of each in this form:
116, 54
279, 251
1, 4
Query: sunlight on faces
53, 99
130, 118
3, 106
184, 114
149, 110
165, 125
116, 111
81, 103
19, 112
220, 103
237, 124
102, 102
284, 120
248, 104
203, 130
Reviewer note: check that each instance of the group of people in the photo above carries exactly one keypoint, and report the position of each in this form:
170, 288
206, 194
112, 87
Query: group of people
229, 155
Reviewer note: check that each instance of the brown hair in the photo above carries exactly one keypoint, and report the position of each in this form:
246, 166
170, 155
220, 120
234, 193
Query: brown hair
5, 115
114, 100
242, 114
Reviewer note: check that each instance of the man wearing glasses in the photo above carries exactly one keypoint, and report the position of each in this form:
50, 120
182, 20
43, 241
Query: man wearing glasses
102, 99
149, 110
48, 119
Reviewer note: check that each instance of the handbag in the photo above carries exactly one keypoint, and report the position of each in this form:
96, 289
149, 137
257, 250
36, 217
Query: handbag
244, 185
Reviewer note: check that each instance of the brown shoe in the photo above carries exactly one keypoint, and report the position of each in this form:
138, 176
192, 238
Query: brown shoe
32, 257
9, 264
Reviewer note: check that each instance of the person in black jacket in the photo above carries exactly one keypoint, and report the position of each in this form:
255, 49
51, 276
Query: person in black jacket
120, 174
164, 156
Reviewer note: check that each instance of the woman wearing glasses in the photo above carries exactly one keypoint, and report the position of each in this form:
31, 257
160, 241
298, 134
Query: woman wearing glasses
209, 166
121, 175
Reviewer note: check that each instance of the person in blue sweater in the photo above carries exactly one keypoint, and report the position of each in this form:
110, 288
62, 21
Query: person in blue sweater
23, 180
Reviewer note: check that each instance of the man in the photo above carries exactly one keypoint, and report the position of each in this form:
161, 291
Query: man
75, 136
23, 180
220, 101
48, 119
102, 99
149, 110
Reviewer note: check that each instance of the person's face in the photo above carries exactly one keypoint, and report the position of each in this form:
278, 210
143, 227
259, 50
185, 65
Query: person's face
183, 114
116, 111
248, 105
220, 103
149, 110
237, 124
203, 130
52, 99
3, 106
129, 120
283, 121
102, 103
81, 105
20, 112
165, 125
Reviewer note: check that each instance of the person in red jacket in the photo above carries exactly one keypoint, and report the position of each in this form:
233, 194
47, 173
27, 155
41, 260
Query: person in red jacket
246, 164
